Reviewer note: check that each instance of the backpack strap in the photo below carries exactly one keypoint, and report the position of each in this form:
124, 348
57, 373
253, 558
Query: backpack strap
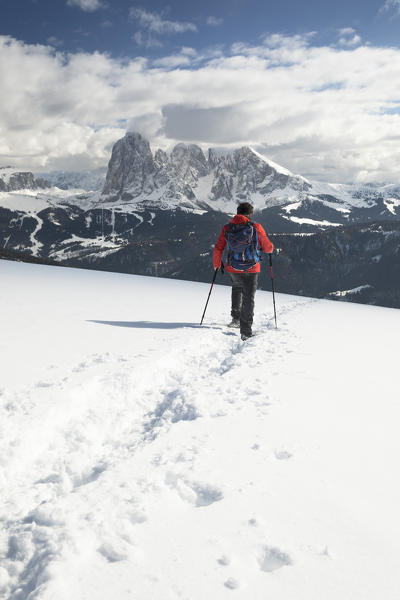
255, 259
227, 230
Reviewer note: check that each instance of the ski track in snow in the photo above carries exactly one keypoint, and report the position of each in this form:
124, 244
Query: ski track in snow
84, 430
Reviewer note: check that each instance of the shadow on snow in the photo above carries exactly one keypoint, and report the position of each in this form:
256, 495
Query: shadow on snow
150, 324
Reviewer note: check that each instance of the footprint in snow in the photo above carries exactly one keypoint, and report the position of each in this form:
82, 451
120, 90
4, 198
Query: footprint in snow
92, 475
206, 494
111, 553
52, 478
232, 584
283, 455
43, 384
272, 559
173, 408
325, 552
195, 493
137, 516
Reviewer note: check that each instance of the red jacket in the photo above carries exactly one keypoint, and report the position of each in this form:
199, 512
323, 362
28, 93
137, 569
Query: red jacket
264, 242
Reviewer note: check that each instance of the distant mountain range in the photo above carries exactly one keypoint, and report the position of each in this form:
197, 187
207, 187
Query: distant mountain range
86, 180
12, 180
187, 179
160, 213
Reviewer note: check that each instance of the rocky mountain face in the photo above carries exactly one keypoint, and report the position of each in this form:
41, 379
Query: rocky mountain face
185, 178
160, 214
12, 180
131, 167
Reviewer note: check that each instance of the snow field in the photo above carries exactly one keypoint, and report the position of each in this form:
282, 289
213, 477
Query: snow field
145, 457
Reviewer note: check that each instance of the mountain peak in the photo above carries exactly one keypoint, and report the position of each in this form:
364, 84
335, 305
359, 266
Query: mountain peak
130, 165
11, 179
191, 151
271, 163
134, 135
187, 177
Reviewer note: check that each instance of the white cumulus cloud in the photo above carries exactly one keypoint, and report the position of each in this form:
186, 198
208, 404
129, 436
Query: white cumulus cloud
155, 23
348, 37
54, 41
152, 25
86, 5
214, 21
391, 6
322, 111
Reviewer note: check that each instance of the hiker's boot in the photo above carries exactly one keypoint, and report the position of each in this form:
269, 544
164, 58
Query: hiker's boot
245, 336
234, 323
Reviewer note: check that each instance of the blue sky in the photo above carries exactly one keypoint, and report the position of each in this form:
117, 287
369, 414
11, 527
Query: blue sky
313, 85
91, 25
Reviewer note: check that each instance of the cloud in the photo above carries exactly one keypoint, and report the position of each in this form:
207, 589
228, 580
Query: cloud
221, 125
86, 5
187, 57
170, 62
54, 41
147, 40
330, 112
150, 125
214, 21
391, 6
154, 23
348, 37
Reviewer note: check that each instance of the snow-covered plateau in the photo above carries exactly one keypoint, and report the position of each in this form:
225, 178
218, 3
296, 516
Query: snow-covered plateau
144, 456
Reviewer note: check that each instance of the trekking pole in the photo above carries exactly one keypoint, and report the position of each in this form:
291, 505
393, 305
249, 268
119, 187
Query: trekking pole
273, 287
209, 294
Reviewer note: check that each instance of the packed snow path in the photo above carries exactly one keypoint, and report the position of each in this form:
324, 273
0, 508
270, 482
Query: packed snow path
145, 457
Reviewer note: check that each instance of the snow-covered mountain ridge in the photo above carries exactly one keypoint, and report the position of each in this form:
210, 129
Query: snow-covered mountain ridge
187, 178
12, 180
140, 180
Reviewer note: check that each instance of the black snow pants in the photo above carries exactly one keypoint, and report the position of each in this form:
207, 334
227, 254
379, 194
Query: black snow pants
244, 287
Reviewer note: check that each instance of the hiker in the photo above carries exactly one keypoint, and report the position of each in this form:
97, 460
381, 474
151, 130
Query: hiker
244, 239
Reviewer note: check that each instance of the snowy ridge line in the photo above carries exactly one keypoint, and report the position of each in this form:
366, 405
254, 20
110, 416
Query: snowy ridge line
88, 440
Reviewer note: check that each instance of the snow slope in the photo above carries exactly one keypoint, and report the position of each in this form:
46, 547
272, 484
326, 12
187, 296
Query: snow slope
145, 457
33, 201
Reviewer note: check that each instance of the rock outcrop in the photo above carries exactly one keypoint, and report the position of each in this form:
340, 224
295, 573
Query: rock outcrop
131, 167
12, 180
